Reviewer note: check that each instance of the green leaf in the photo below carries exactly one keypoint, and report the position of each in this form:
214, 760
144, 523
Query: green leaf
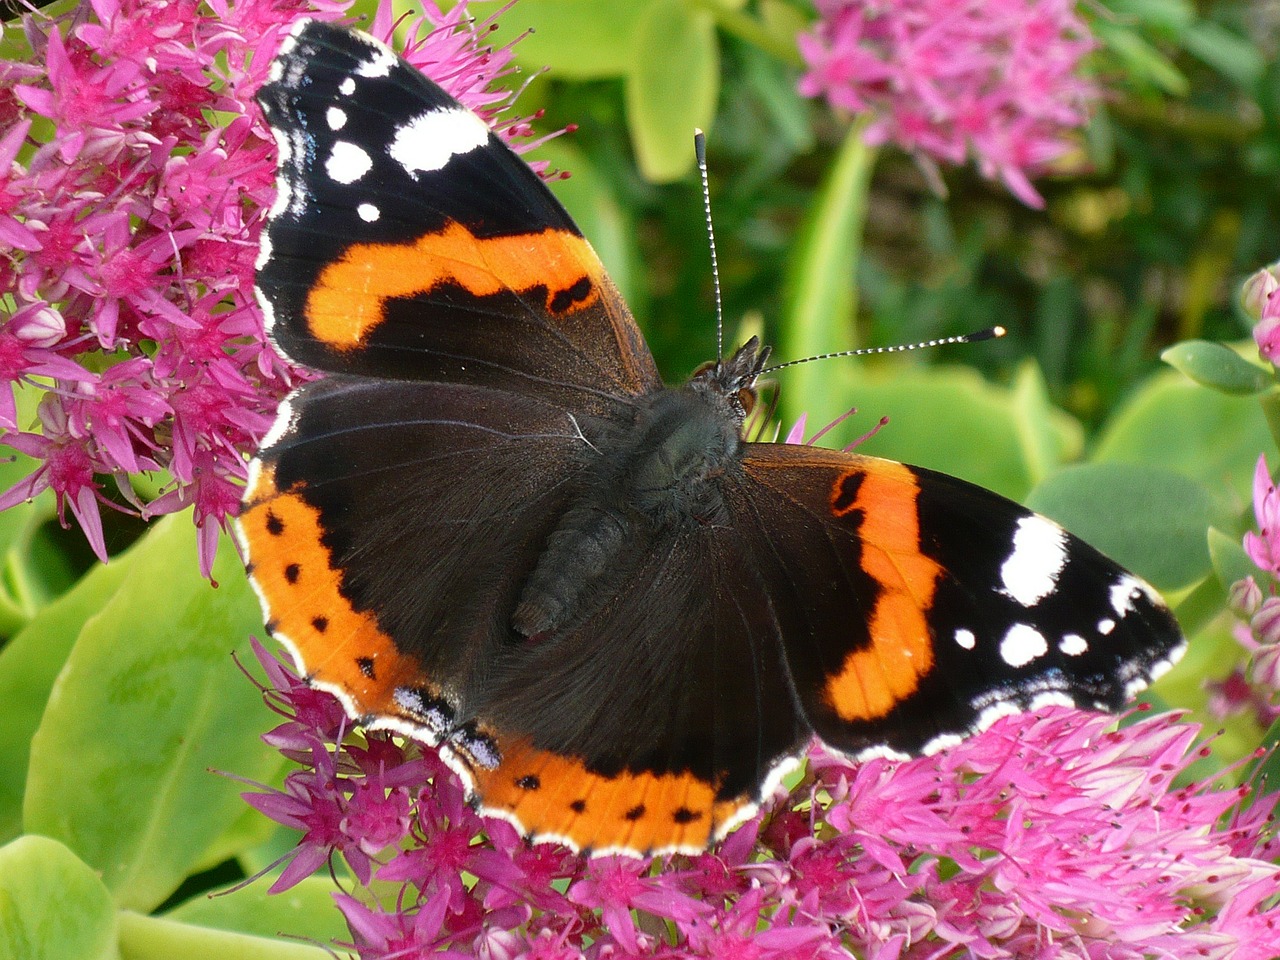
1150, 520
821, 279
1196, 612
1230, 562
1231, 55
943, 418
304, 910
159, 938
52, 905
148, 703
1218, 367
1142, 61
577, 39
1170, 17
1270, 405
29, 665
1189, 429
1048, 437
786, 111
26, 583
672, 86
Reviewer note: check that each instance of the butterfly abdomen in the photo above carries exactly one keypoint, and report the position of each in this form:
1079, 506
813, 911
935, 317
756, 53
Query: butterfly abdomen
651, 476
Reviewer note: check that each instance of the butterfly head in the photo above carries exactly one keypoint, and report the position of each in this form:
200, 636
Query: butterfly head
734, 379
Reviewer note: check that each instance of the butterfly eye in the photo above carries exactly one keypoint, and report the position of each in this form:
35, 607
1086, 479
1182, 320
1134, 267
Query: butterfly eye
747, 397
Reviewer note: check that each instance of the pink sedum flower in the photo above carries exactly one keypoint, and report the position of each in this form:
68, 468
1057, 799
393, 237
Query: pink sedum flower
1050, 835
131, 224
1260, 298
998, 80
1263, 547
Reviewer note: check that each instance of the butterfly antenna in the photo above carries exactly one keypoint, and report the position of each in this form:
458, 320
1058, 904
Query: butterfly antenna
990, 333
700, 151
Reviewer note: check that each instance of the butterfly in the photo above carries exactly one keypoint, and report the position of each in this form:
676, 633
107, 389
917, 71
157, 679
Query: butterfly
490, 526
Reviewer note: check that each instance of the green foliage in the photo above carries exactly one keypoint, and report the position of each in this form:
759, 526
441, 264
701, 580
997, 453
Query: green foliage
118, 688
52, 905
122, 701
1217, 367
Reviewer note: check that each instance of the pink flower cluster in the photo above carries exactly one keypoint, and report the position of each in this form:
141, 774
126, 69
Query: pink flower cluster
1253, 687
134, 173
1050, 835
1261, 300
1000, 80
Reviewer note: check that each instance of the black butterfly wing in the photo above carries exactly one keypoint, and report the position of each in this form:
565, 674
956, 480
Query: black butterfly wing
392, 527
916, 608
661, 719
387, 526
407, 240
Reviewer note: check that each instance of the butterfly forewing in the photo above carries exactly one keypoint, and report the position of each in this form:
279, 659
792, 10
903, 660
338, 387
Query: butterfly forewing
408, 240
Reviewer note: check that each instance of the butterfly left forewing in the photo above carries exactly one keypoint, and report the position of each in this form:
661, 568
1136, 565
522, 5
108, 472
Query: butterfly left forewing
917, 608
407, 240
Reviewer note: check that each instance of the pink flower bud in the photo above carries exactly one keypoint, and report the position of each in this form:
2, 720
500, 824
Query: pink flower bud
1266, 622
1257, 290
39, 325
1245, 597
1265, 669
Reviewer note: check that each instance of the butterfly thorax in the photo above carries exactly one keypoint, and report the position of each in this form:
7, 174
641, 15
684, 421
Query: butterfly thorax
658, 472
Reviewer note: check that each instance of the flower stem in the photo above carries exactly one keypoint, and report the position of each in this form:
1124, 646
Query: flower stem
821, 301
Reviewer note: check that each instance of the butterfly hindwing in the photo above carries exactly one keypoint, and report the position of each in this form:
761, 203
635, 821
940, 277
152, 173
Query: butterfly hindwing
407, 240
392, 526
388, 524
916, 608
673, 689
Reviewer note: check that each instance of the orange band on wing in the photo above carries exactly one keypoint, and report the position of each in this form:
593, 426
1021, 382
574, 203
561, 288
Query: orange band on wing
873, 680
338, 646
349, 298
555, 797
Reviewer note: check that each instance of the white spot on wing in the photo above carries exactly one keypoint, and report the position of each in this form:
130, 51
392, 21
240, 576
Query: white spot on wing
881, 752
1051, 698
1022, 644
1039, 552
347, 162
989, 715
429, 140
268, 311
284, 422
409, 700
336, 117
368, 212
347, 87
380, 61
264, 250
1073, 645
1161, 667
1123, 592
965, 638
1106, 625
942, 741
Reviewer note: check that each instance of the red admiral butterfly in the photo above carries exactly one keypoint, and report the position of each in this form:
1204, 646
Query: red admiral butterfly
491, 527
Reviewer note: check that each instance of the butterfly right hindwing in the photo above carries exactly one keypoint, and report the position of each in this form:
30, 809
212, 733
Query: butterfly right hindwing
916, 608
